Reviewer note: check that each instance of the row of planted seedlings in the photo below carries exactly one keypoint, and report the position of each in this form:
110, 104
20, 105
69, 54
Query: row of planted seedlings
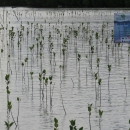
32, 40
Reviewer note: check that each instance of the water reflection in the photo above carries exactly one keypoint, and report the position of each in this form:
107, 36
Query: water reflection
73, 84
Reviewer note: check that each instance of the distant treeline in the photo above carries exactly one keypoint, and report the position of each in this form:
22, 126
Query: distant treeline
66, 3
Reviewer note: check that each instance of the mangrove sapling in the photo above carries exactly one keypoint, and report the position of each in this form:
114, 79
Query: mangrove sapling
109, 70
63, 52
60, 71
112, 36
54, 54
40, 79
79, 58
103, 26
100, 116
9, 105
41, 45
8, 64
31, 73
18, 99
108, 53
7, 80
26, 61
31, 49
96, 77
41, 60
50, 50
97, 36
75, 35
55, 124
22, 72
50, 78
46, 82
44, 73
18, 49
99, 83
27, 40
98, 61
7, 123
100, 113
125, 85
2, 52
89, 110
37, 47
92, 51
106, 41
75, 44
73, 125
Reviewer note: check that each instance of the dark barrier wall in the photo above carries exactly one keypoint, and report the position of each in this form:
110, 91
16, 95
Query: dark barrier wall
66, 3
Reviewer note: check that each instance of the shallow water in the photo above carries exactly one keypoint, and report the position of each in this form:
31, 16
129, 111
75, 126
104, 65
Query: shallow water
77, 90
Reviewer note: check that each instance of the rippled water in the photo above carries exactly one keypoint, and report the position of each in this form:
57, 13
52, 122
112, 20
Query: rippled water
77, 90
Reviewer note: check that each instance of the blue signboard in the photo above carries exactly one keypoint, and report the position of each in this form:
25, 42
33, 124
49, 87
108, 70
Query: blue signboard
121, 28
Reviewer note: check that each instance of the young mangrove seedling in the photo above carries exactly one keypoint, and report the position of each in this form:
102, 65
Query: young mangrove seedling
89, 110
31, 73
99, 83
60, 71
50, 50
100, 115
92, 51
31, 49
7, 80
79, 58
2, 50
40, 79
108, 52
18, 99
9, 105
106, 41
46, 82
54, 54
50, 78
96, 77
7, 123
109, 70
41, 60
98, 61
22, 71
73, 125
26, 61
55, 124
44, 73
63, 52
97, 36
